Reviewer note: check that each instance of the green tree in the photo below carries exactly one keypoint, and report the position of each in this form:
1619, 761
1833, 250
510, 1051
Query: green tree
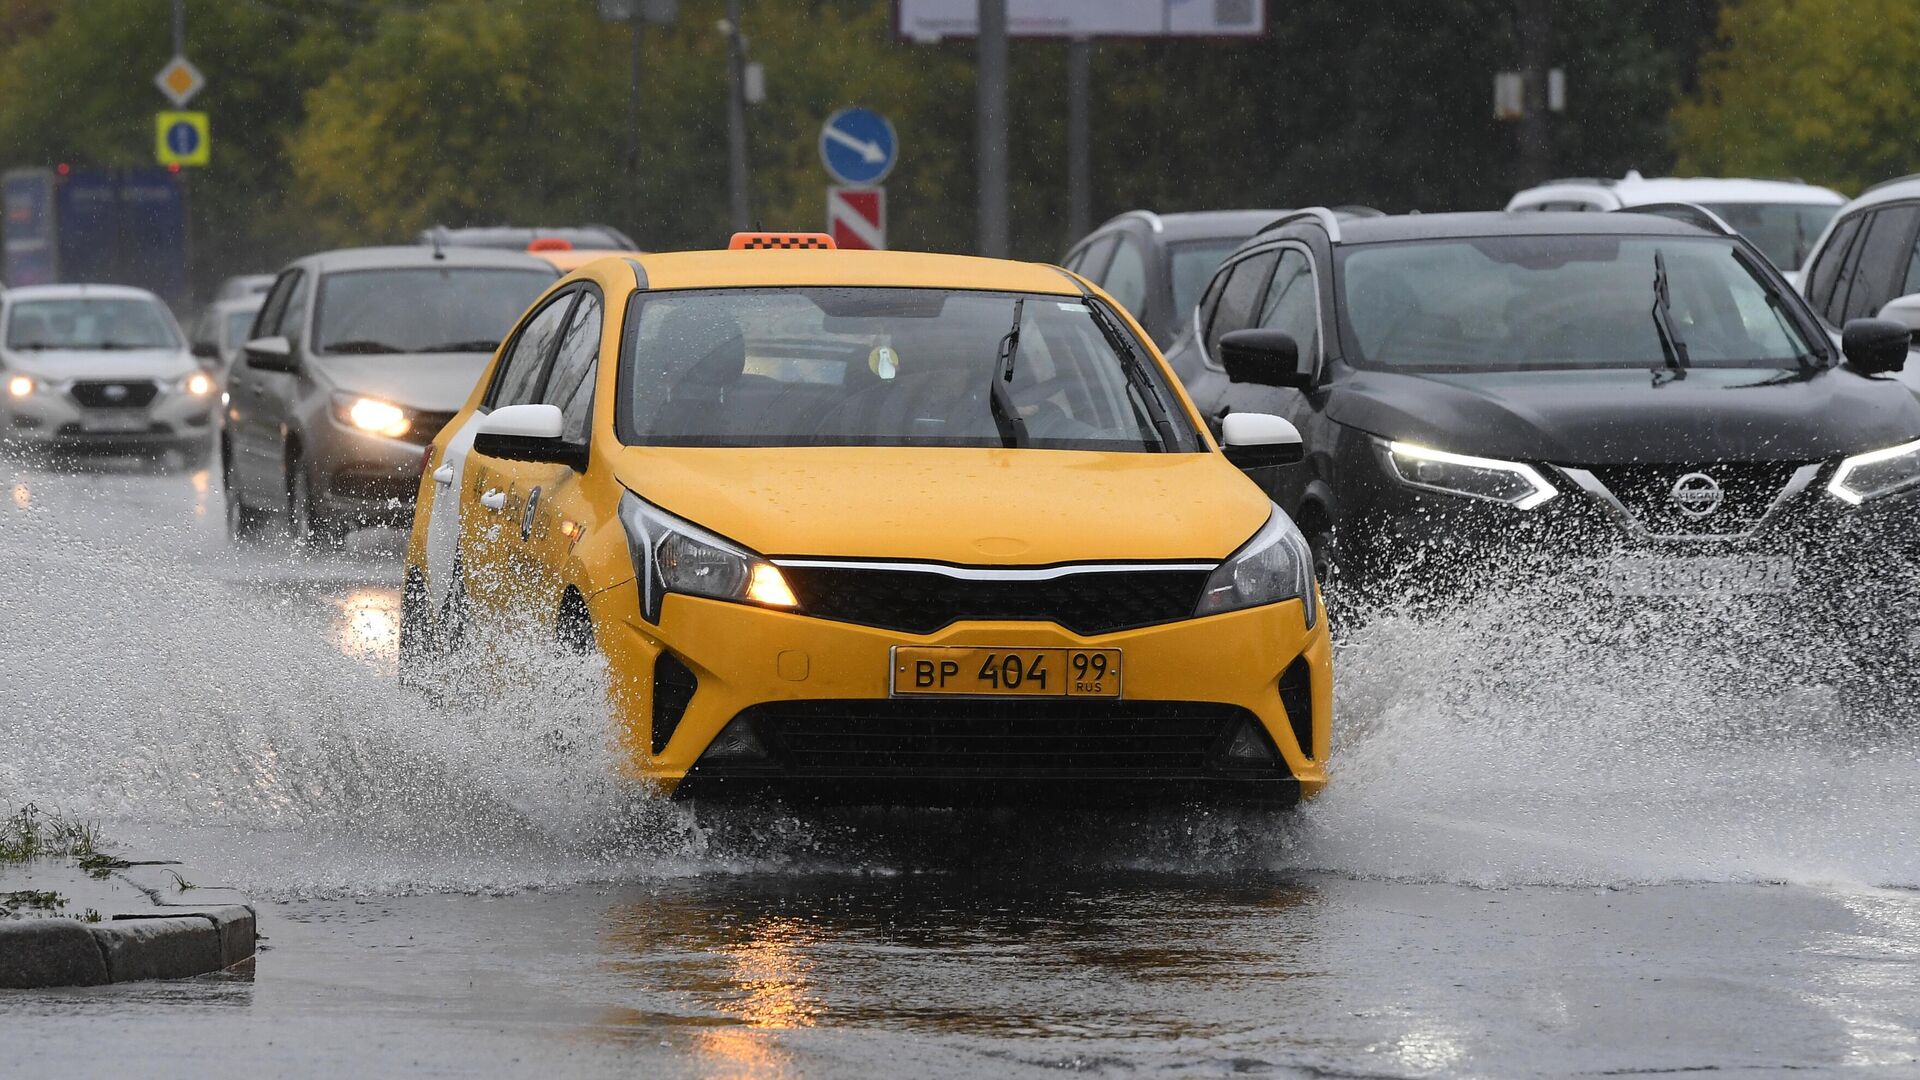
1823, 89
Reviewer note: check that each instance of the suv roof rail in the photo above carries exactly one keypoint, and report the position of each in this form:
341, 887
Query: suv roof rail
1327, 219
1357, 210
1691, 213
1891, 182
1152, 219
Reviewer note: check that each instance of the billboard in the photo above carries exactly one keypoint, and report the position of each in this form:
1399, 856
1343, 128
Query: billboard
932, 20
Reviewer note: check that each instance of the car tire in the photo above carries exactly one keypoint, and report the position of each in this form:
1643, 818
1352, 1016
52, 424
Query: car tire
309, 525
245, 525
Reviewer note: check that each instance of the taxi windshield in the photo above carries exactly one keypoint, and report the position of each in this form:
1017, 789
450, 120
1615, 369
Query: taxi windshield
91, 323
887, 367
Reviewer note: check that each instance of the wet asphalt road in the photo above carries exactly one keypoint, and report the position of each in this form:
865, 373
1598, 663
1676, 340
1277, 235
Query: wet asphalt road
1560, 879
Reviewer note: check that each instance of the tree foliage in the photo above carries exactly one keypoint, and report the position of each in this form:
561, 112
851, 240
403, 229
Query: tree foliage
1822, 89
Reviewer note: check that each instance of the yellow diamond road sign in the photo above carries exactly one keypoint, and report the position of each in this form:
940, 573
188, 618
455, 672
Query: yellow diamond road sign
180, 138
180, 81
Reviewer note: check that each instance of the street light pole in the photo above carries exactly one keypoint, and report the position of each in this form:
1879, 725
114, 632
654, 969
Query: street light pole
1079, 155
739, 206
179, 27
990, 112
633, 118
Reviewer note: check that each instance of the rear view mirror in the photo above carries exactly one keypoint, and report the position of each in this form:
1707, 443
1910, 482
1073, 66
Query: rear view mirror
528, 433
1260, 440
1263, 358
271, 354
1876, 346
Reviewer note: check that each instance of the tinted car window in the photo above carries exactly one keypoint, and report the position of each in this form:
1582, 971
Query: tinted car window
1192, 264
422, 309
293, 322
1125, 278
1836, 306
520, 370
1093, 258
1885, 250
1292, 305
571, 384
1240, 297
1557, 303
267, 325
1824, 273
878, 367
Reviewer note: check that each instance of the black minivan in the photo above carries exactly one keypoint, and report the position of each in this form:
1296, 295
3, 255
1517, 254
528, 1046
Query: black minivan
1485, 397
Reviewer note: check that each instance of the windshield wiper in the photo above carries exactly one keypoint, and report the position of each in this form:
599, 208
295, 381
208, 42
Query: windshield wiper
1136, 375
362, 347
476, 345
1671, 346
1013, 430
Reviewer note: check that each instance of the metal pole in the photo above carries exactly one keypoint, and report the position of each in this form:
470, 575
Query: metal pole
1079, 155
633, 119
739, 206
990, 151
1536, 47
179, 27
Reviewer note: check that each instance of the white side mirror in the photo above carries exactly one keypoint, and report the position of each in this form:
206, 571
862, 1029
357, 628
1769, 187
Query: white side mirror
1259, 440
525, 421
1903, 309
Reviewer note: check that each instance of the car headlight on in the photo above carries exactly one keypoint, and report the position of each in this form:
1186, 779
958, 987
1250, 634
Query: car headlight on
19, 386
1511, 482
372, 415
198, 384
1881, 472
1275, 565
671, 554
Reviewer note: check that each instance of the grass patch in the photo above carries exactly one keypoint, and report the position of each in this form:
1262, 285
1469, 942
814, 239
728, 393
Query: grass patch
43, 900
33, 833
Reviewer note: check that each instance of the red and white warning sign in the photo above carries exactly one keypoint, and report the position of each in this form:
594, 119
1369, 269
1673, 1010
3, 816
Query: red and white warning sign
857, 217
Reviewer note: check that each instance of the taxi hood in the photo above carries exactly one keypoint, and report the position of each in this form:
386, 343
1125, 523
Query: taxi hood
967, 506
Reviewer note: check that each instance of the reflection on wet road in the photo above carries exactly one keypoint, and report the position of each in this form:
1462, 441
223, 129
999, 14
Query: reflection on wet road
1574, 884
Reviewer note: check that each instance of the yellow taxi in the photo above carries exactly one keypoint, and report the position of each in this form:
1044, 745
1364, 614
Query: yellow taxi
880, 527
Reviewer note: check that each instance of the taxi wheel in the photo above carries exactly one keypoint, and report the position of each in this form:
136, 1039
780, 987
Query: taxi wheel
575, 628
309, 526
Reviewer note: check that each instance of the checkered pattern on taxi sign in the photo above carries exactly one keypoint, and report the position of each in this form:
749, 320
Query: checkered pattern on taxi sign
755, 241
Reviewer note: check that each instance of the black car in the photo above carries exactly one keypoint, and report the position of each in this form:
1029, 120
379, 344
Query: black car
1156, 264
1642, 399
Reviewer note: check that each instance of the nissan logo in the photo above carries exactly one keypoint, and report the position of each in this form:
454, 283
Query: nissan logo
1696, 495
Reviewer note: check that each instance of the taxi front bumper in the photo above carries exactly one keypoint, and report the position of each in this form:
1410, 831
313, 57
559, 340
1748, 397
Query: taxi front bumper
728, 700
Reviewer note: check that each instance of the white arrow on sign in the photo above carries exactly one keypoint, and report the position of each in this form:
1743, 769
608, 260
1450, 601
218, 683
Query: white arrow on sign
870, 152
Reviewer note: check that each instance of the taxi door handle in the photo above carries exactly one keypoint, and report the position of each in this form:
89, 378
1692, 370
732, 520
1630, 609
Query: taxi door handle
494, 499
443, 475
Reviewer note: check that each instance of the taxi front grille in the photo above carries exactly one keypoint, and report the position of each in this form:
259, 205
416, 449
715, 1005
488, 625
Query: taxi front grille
995, 738
923, 601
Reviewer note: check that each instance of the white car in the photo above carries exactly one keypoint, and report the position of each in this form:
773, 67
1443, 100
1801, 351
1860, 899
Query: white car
1782, 218
100, 366
1867, 262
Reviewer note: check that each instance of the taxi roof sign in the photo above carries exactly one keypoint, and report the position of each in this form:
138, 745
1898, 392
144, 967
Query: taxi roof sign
760, 241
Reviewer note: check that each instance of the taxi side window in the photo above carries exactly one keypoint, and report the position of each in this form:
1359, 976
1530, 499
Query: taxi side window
1239, 298
571, 384
1126, 279
518, 379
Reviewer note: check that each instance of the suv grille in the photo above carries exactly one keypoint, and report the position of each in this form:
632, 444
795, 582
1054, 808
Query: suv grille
1747, 490
995, 738
921, 602
130, 394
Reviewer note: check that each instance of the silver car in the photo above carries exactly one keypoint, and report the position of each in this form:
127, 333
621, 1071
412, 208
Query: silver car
224, 327
100, 367
358, 359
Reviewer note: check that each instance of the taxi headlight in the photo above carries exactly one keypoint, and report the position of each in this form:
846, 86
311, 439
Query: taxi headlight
372, 415
1882, 472
1511, 482
1275, 565
671, 554
19, 386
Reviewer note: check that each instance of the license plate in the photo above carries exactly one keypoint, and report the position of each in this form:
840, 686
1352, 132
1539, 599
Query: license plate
114, 422
1701, 576
962, 672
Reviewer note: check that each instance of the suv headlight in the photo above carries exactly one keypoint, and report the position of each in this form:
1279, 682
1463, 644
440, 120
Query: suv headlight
1510, 482
1275, 565
372, 415
1882, 472
671, 554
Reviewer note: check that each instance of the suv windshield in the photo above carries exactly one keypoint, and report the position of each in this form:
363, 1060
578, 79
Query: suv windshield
1784, 232
90, 323
425, 309
883, 367
1558, 302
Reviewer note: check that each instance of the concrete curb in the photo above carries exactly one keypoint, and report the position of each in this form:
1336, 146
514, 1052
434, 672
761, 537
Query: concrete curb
185, 931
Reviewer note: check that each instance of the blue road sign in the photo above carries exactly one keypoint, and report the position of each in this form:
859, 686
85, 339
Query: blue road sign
858, 146
183, 138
